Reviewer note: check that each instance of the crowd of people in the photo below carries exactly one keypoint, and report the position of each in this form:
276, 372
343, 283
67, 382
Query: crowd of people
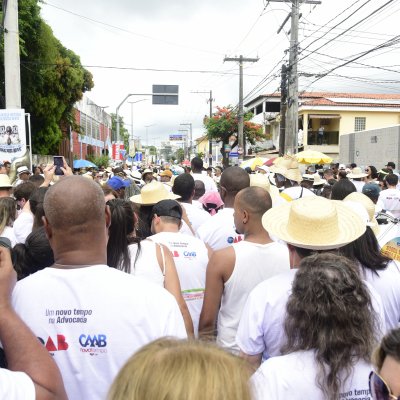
171, 283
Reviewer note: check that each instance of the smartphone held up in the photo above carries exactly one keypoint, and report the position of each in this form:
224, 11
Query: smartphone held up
59, 163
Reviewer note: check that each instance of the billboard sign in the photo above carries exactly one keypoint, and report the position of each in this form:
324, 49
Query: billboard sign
12, 134
176, 138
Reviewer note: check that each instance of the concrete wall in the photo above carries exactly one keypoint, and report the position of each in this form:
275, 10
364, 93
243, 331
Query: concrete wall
371, 147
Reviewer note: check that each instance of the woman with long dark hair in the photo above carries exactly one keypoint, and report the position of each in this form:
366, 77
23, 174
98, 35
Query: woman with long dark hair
143, 258
372, 174
382, 273
329, 328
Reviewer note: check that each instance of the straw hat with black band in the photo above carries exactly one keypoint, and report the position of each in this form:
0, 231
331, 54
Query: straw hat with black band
314, 223
152, 193
356, 173
288, 167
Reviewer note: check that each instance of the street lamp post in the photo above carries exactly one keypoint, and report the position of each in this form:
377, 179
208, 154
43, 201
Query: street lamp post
189, 146
132, 103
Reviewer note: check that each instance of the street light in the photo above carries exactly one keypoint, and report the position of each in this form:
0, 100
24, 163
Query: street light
147, 133
189, 124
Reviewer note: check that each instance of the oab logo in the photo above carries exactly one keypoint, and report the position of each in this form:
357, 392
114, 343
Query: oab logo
236, 239
58, 344
93, 344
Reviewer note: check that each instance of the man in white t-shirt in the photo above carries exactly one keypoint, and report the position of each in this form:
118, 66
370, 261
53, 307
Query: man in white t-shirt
219, 231
234, 271
38, 376
389, 198
92, 318
184, 188
308, 224
190, 254
197, 173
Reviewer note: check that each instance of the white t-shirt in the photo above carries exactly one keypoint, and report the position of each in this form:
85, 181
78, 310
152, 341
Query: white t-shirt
209, 183
390, 199
387, 284
261, 325
248, 272
191, 259
293, 193
16, 386
196, 216
146, 265
92, 319
294, 376
8, 232
219, 231
358, 184
23, 226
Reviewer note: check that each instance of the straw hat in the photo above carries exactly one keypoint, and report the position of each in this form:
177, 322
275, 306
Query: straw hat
152, 193
5, 181
263, 182
357, 173
314, 223
369, 206
318, 180
308, 177
22, 170
288, 167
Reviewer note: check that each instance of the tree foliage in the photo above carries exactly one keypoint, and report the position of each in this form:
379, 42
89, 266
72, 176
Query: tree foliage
223, 127
123, 132
52, 79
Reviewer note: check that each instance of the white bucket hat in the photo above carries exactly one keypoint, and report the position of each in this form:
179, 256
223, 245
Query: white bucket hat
152, 193
23, 169
318, 180
314, 223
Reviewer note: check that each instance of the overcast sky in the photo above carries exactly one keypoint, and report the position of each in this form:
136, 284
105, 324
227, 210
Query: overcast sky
134, 40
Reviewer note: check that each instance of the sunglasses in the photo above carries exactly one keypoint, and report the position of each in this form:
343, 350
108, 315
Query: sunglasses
379, 388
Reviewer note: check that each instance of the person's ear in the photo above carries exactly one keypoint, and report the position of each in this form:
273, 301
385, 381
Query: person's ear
47, 228
107, 216
245, 217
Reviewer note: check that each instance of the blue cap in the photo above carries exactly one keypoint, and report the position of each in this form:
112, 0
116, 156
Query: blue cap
371, 189
116, 183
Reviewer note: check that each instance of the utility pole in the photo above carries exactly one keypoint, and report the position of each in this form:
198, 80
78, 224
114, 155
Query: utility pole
242, 142
11, 55
292, 113
282, 124
188, 140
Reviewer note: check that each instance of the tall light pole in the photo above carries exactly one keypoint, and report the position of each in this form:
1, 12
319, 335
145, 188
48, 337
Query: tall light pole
147, 133
132, 139
189, 147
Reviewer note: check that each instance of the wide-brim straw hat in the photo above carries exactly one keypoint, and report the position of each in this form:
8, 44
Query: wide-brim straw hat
357, 173
369, 206
314, 223
5, 181
263, 182
288, 167
152, 193
318, 180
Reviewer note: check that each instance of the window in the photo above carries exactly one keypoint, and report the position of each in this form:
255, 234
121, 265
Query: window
359, 124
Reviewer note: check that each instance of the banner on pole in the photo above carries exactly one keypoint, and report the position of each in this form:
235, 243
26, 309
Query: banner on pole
12, 134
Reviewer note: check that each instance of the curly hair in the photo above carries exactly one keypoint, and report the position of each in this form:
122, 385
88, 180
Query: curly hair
330, 312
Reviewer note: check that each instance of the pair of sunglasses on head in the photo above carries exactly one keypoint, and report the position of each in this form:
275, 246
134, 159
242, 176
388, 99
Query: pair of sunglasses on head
379, 388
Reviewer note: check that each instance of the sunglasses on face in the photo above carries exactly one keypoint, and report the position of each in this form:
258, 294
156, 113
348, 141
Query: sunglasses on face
379, 388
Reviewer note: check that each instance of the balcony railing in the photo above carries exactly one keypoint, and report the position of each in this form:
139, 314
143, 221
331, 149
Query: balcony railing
329, 138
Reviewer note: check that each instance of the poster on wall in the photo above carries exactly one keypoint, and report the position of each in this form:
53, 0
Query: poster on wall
12, 134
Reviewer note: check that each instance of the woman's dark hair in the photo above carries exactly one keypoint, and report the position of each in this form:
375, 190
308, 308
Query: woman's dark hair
342, 174
374, 172
390, 346
366, 251
342, 189
143, 229
330, 312
34, 255
120, 234
36, 205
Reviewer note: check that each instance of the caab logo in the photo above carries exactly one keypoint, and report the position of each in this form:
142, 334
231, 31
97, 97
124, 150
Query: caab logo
93, 344
189, 253
51, 346
231, 239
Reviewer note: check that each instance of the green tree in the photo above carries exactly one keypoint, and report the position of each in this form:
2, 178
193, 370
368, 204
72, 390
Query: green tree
223, 127
123, 132
52, 79
179, 155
